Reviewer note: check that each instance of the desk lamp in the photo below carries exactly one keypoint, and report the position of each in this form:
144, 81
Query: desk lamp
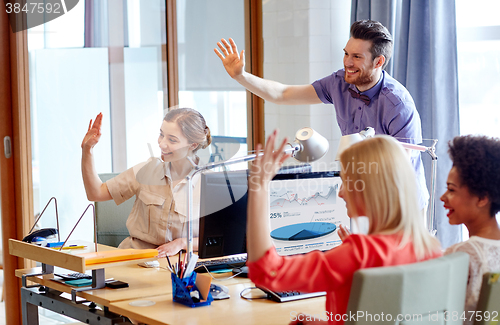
308, 146
350, 139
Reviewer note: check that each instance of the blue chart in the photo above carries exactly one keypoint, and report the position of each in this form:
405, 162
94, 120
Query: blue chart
302, 231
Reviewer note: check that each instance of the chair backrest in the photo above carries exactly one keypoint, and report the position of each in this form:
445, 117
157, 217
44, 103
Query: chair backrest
418, 293
111, 218
488, 305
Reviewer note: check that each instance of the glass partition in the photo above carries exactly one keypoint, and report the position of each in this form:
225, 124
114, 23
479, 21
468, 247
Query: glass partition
102, 56
203, 82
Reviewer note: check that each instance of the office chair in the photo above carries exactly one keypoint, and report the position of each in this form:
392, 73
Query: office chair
418, 293
225, 147
488, 305
111, 218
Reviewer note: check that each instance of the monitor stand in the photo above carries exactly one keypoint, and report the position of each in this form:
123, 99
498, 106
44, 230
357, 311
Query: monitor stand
241, 271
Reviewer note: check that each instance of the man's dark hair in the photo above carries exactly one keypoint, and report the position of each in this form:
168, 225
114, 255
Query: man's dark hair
477, 160
370, 30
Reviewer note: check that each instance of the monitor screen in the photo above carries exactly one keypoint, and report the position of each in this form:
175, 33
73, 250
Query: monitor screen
223, 211
306, 211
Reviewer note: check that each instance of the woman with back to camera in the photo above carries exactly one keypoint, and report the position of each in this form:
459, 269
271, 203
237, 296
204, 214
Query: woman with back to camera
472, 198
158, 217
381, 186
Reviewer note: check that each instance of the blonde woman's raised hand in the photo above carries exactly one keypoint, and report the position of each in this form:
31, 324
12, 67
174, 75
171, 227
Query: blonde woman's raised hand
93, 133
233, 62
266, 166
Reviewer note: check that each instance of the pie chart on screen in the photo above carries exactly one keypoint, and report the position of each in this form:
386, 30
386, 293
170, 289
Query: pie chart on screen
303, 231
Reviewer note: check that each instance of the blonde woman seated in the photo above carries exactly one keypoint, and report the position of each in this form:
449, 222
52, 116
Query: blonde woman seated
158, 217
386, 195
472, 198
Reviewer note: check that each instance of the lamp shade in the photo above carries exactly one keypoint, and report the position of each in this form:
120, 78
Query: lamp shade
312, 145
350, 139
346, 141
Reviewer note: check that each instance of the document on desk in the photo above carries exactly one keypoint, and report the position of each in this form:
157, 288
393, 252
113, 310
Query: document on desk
305, 214
117, 255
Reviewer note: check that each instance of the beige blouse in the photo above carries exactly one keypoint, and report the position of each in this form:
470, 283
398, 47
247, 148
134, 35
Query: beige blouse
484, 256
159, 212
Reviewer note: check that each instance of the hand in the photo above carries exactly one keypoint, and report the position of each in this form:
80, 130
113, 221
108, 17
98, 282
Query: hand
93, 133
343, 233
305, 319
171, 248
266, 166
233, 63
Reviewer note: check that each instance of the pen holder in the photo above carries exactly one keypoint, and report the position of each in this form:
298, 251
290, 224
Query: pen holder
181, 289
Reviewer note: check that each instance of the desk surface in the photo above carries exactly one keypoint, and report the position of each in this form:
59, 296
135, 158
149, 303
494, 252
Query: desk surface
234, 310
154, 284
143, 282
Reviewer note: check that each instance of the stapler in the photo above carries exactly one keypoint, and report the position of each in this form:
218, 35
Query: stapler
43, 233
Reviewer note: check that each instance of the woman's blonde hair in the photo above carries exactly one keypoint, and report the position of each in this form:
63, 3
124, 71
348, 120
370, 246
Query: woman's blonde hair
378, 170
193, 126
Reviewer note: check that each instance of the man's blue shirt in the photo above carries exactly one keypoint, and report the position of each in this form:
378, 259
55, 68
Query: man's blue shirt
391, 111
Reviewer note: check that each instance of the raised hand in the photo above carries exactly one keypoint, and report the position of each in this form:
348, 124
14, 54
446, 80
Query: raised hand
93, 133
265, 167
233, 62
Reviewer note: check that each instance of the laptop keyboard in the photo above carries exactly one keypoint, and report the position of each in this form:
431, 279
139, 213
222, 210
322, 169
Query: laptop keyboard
74, 276
284, 296
229, 262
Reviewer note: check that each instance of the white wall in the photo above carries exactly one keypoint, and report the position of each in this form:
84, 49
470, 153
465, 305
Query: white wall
303, 42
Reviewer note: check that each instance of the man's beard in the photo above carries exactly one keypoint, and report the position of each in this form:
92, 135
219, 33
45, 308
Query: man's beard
361, 80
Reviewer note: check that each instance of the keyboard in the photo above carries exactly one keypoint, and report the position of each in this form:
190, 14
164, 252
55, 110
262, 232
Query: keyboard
285, 296
74, 276
229, 262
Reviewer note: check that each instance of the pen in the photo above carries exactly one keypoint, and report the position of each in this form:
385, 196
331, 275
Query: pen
179, 264
168, 260
181, 269
70, 247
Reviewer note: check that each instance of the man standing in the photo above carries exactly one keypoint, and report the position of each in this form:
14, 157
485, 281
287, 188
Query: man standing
362, 93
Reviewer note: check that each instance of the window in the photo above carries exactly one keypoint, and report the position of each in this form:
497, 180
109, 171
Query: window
478, 33
203, 82
478, 37
99, 57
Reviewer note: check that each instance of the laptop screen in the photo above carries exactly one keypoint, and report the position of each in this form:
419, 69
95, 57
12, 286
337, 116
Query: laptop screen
306, 211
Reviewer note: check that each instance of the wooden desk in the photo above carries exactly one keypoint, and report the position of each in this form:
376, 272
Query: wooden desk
151, 284
154, 285
234, 310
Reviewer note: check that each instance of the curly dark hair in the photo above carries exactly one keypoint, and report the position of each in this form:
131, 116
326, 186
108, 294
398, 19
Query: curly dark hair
477, 160
378, 34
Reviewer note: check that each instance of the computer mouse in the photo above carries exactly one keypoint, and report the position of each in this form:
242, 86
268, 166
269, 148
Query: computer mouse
149, 264
241, 271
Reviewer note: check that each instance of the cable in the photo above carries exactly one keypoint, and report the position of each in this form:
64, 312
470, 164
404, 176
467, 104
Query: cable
217, 279
250, 298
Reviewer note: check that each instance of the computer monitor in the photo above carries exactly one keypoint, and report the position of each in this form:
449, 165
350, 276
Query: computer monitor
306, 212
223, 215
223, 211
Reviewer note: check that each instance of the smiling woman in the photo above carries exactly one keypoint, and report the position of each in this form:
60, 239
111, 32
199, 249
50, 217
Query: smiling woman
158, 217
472, 198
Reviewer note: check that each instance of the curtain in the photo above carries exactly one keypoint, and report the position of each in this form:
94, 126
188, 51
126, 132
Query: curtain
425, 62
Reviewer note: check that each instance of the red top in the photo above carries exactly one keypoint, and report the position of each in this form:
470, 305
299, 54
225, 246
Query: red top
331, 271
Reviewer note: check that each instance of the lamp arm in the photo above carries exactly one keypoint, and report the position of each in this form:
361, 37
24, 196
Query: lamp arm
430, 222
